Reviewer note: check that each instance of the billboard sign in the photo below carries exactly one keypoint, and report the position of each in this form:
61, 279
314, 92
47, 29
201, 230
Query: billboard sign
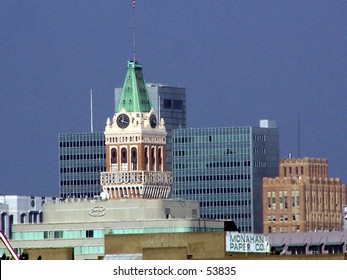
246, 242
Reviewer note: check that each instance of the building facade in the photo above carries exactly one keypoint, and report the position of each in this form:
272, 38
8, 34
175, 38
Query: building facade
170, 104
303, 198
223, 168
81, 224
81, 159
16, 209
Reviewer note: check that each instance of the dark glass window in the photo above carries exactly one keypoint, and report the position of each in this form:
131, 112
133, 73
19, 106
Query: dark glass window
167, 103
178, 104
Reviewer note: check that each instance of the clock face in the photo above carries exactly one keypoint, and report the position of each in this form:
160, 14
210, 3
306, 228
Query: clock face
123, 120
153, 121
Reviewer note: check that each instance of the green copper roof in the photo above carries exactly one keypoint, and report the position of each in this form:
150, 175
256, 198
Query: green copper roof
134, 97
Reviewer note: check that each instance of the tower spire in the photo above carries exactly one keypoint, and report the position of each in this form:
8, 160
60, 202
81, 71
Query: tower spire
134, 96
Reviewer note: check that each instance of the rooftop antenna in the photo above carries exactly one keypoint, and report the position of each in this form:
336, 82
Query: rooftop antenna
159, 106
91, 111
133, 2
299, 135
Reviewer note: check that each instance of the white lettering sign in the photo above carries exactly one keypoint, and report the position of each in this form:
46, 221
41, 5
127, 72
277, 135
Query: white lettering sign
150, 178
246, 242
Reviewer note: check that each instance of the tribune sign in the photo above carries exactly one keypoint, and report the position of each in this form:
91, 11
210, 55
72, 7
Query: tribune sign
136, 177
246, 242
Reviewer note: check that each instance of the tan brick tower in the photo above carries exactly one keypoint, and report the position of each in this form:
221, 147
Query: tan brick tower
303, 198
135, 145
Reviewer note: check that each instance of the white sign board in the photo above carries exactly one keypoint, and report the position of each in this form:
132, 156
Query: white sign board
246, 242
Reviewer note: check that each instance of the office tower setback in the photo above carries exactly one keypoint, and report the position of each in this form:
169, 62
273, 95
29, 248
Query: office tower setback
223, 168
303, 198
81, 159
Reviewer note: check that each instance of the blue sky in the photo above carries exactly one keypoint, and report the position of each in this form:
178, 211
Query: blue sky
240, 61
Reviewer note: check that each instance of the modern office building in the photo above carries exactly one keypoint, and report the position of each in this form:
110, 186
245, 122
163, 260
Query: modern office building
170, 104
303, 198
81, 159
223, 169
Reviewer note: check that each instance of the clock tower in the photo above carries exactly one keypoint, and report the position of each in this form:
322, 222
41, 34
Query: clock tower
135, 145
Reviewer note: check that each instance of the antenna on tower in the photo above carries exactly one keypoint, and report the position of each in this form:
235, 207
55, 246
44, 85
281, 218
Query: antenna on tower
91, 111
133, 3
159, 106
299, 135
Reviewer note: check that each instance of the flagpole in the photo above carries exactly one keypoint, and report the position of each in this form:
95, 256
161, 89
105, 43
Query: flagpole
134, 30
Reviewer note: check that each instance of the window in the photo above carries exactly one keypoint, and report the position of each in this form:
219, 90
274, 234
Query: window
269, 200
89, 233
113, 155
153, 158
334, 249
167, 104
315, 249
58, 234
297, 250
178, 104
146, 157
273, 200
124, 159
22, 218
133, 159
160, 159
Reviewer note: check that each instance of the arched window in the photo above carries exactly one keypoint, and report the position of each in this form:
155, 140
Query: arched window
114, 159
146, 158
22, 218
4, 222
153, 158
133, 158
124, 159
160, 159
113, 155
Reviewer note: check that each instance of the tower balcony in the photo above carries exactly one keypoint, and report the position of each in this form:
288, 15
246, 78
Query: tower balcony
137, 184
145, 178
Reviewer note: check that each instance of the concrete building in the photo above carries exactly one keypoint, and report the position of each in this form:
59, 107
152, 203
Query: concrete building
79, 225
213, 246
303, 198
222, 168
170, 104
81, 159
16, 209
